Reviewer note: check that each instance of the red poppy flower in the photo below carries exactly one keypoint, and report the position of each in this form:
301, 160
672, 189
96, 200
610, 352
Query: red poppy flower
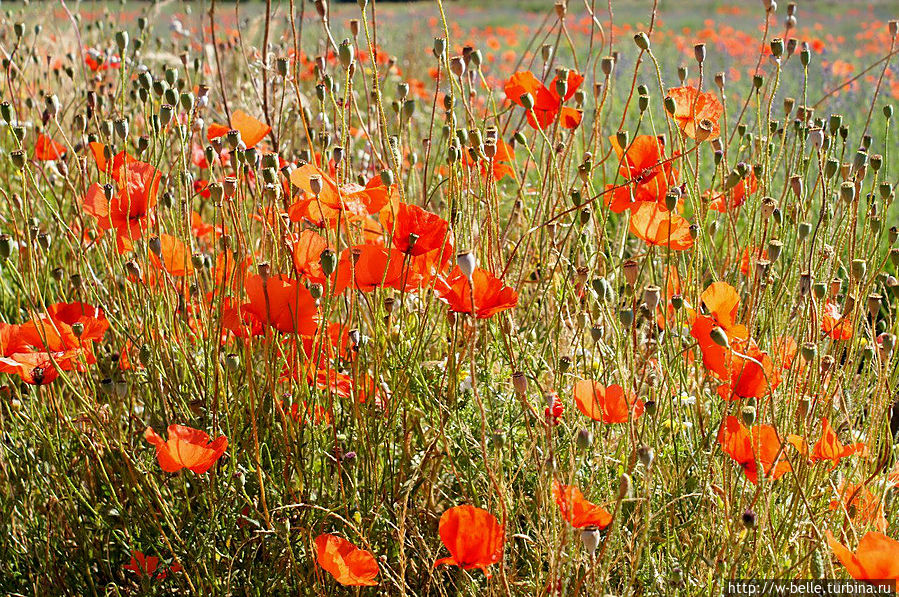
860, 505
186, 448
577, 510
174, 257
473, 537
416, 231
876, 559
349, 565
692, 107
149, 566
555, 409
758, 445
113, 167
607, 404
281, 303
828, 446
547, 102
491, 296
735, 197
640, 163
352, 201
501, 162
46, 149
306, 249
252, 131
655, 225
835, 324
368, 267
127, 212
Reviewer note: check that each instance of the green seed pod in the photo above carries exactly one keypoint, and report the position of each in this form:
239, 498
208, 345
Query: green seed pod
748, 413
328, 261
121, 40
346, 53
5, 246
888, 111
642, 40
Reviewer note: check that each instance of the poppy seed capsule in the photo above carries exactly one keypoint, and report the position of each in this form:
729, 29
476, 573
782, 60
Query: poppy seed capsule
625, 486
520, 383
18, 158
719, 337
699, 52
457, 65
749, 519
630, 269
775, 247
651, 297
5, 246
859, 268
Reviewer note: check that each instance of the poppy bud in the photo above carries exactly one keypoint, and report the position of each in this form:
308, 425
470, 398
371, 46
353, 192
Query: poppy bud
467, 263
642, 40
808, 350
626, 316
232, 362
328, 261
859, 269
590, 539
646, 455
719, 337
131, 268
5, 246
642, 103
625, 486
749, 519
527, 101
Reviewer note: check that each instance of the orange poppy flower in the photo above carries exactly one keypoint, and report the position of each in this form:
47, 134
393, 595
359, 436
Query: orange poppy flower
607, 404
828, 446
149, 566
547, 102
655, 225
128, 210
111, 167
352, 200
640, 163
368, 267
578, 511
505, 156
416, 231
473, 537
280, 303
692, 107
734, 198
174, 257
186, 448
252, 131
861, 506
491, 296
758, 445
750, 258
835, 324
46, 149
877, 558
306, 249
349, 565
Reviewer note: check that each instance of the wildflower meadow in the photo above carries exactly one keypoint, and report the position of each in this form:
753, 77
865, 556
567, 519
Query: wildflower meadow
448, 297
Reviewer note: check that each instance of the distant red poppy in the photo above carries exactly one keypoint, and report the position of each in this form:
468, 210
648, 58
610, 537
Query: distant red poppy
473, 537
735, 197
491, 296
368, 267
306, 249
876, 559
252, 131
860, 505
349, 565
46, 149
835, 324
174, 257
655, 225
547, 102
750, 448
607, 404
692, 107
186, 448
148, 566
578, 511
